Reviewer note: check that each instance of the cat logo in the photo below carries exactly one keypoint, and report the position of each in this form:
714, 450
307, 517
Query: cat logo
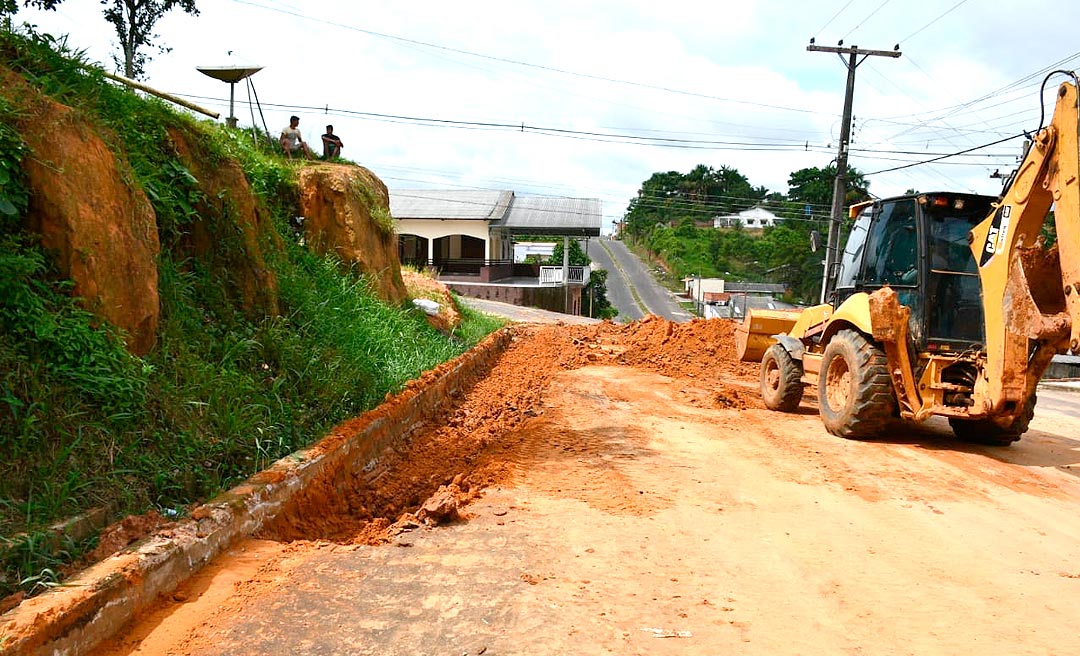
996, 238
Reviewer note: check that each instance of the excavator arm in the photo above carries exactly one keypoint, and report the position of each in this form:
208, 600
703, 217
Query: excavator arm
1031, 294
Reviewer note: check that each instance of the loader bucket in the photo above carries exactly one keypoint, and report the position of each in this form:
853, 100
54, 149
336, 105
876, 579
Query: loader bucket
755, 334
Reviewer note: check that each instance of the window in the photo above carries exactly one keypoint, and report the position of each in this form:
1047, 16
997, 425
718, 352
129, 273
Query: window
891, 249
853, 250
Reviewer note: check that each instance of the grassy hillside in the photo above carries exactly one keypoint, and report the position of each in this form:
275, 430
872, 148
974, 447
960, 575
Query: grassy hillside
225, 391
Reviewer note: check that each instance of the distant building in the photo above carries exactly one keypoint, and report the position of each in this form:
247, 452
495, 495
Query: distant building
468, 238
463, 227
697, 289
755, 218
538, 249
717, 305
715, 298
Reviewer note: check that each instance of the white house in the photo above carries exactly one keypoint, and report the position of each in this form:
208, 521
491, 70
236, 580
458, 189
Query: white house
754, 218
478, 226
541, 249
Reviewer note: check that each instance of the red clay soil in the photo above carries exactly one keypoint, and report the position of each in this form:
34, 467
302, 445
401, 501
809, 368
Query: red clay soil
623, 505
469, 450
421, 286
446, 465
121, 535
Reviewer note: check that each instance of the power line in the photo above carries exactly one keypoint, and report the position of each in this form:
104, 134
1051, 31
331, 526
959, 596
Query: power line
605, 137
668, 142
675, 202
1017, 86
935, 159
956, 109
872, 14
687, 209
943, 15
829, 22
515, 62
652, 201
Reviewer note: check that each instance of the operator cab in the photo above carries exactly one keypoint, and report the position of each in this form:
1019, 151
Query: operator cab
918, 245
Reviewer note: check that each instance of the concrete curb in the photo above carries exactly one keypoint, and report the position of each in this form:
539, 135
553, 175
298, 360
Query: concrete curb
90, 608
1066, 385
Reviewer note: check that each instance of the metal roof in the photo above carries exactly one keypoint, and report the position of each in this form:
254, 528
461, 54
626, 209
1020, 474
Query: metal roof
553, 215
517, 215
487, 205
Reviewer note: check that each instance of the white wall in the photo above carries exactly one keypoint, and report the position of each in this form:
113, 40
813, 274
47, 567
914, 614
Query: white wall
433, 229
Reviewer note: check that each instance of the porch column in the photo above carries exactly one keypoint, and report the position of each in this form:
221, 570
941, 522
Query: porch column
431, 250
566, 274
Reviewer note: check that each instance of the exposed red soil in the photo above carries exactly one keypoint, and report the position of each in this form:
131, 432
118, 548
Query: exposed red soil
468, 451
122, 534
445, 466
420, 286
610, 504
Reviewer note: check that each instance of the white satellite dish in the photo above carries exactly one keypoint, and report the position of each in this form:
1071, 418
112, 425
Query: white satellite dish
232, 75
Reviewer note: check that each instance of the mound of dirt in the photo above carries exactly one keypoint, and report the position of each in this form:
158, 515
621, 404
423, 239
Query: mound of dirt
477, 443
420, 286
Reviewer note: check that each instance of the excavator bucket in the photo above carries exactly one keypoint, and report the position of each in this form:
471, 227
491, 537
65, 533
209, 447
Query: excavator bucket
755, 334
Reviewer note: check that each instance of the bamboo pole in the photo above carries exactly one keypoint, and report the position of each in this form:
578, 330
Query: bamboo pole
161, 94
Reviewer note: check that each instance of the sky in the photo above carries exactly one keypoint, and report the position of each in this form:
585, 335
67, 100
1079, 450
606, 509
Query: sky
589, 99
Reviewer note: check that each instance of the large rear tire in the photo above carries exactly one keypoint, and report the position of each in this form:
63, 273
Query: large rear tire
987, 431
855, 392
781, 380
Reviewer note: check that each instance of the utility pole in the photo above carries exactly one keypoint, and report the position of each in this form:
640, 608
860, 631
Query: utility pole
853, 61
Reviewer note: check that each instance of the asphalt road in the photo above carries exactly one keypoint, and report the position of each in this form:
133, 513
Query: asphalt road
1056, 398
632, 289
522, 314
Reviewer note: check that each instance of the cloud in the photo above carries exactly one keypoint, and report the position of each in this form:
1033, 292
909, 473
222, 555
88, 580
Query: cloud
743, 67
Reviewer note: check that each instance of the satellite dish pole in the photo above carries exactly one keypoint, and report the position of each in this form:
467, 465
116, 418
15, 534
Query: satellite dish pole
251, 91
232, 75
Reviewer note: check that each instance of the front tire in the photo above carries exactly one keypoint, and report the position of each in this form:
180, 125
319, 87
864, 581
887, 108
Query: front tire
989, 432
855, 392
781, 380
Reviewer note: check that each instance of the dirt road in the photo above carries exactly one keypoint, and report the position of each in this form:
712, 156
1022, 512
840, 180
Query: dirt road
630, 496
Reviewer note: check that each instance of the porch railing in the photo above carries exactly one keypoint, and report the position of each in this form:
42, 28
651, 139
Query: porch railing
493, 270
576, 275
458, 266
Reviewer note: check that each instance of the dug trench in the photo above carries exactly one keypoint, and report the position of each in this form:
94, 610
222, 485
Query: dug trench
601, 487
429, 472
429, 477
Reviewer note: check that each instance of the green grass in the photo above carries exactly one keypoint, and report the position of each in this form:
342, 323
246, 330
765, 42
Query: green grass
226, 390
475, 326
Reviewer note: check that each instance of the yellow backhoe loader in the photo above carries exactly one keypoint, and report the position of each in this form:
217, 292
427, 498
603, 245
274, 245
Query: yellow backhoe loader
942, 304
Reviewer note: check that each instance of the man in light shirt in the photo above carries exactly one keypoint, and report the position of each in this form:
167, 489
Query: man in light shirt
292, 142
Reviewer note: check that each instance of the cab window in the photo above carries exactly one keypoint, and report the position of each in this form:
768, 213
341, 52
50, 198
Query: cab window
853, 250
891, 256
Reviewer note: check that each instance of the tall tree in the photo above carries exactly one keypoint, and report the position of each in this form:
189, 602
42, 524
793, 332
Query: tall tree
657, 199
8, 7
134, 22
699, 195
815, 186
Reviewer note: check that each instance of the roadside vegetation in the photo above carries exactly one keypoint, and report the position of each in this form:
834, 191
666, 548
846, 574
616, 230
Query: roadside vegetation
670, 223
84, 424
